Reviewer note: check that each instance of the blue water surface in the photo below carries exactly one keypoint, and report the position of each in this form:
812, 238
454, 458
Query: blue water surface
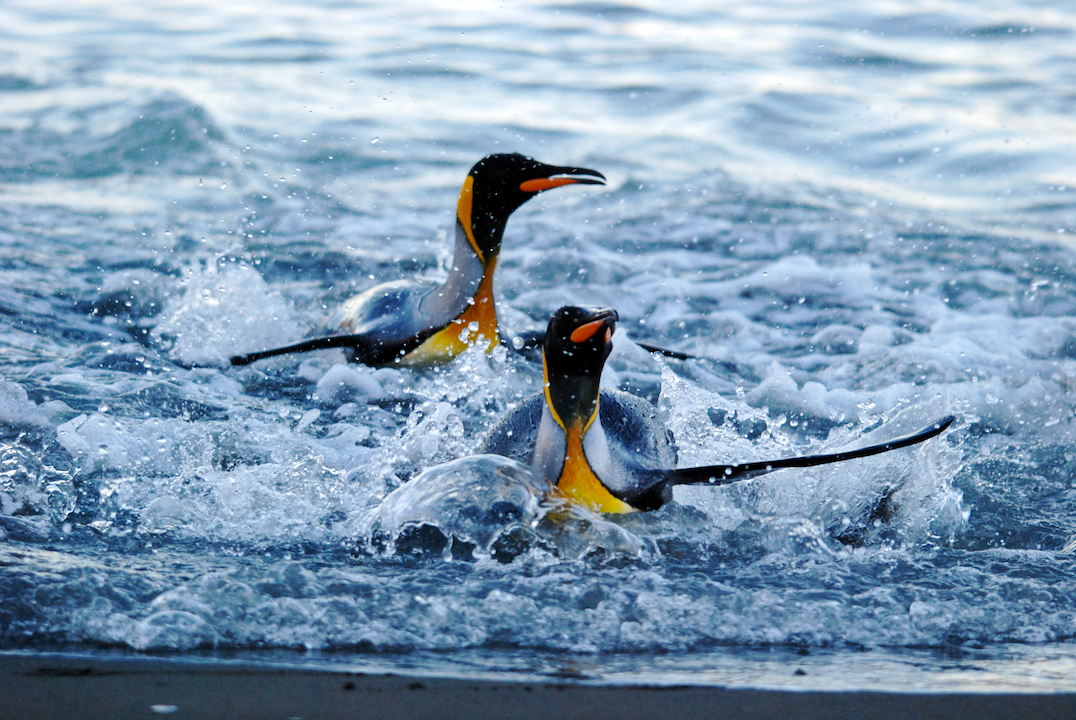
858, 219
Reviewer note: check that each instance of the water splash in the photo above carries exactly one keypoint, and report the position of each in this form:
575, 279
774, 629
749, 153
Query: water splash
221, 307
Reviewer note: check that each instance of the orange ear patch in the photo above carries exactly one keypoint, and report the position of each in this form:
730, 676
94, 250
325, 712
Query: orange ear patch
586, 332
540, 184
463, 214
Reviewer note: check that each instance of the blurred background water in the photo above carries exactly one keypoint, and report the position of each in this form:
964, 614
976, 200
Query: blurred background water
859, 219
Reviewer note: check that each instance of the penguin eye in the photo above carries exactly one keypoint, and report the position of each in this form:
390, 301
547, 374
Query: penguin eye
586, 332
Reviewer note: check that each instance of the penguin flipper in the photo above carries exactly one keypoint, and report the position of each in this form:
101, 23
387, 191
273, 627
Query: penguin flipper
726, 474
674, 354
320, 343
362, 348
374, 328
653, 488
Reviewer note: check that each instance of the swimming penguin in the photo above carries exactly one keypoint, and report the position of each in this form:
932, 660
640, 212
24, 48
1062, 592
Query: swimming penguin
420, 322
607, 449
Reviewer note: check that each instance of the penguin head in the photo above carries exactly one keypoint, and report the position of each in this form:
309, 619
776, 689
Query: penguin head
498, 184
578, 340
577, 343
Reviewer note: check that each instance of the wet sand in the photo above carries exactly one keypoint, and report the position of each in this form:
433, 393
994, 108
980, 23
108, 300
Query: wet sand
43, 686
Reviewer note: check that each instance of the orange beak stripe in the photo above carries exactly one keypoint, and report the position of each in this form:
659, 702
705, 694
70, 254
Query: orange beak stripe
540, 184
586, 332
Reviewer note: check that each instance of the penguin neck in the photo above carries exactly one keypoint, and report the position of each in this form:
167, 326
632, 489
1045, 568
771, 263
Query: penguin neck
468, 268
470, 286
571, 450
574, 401
473, 262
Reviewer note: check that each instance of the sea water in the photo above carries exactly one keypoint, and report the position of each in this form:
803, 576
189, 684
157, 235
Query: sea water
857, 220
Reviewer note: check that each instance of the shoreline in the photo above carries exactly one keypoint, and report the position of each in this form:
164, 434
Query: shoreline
44, 686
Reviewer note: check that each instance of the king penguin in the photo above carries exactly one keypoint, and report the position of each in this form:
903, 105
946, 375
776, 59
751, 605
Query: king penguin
606, 449
418, 322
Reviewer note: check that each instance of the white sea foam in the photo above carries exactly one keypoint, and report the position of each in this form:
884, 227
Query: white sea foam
16, 409
221, 310
858, 227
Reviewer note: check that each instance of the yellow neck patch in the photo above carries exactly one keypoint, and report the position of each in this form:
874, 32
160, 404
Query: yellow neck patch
580, 485
577, 481
446, 344
463, 213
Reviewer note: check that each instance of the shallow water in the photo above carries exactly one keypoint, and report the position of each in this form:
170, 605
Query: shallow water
858, 220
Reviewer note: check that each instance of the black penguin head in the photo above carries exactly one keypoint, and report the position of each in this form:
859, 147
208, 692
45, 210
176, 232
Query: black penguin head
498, 184
577, 344
578, 341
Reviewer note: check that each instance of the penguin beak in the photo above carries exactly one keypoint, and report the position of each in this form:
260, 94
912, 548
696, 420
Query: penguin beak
558, 176
605, 319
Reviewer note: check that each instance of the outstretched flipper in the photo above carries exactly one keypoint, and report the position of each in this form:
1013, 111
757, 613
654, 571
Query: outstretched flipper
360, 344
321, 343
674, 354
388, 323
660, 491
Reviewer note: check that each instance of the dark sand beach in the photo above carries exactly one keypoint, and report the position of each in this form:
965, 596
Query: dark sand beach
45, 686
